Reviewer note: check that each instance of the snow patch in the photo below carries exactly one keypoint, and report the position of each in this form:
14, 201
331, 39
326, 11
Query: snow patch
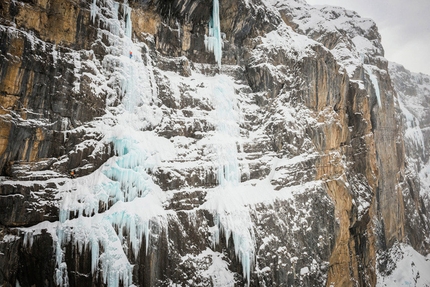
215, 267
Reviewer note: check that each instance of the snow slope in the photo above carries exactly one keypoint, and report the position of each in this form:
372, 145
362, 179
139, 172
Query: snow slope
409, 268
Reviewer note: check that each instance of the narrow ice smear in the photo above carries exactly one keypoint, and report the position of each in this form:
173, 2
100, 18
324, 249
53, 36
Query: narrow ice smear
54, 54
213, 42
375, 83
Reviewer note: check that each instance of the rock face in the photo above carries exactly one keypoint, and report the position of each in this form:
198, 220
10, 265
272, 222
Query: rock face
413, 92
301, 161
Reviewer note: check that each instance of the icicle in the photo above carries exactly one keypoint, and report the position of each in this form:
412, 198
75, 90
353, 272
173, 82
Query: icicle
213, 42
28, 239
54, 54
94, 253
93, 11
61, 277
146, 230
231, 223
64, 213
179, 30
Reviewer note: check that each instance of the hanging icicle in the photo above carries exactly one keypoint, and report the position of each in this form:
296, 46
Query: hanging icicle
213, 42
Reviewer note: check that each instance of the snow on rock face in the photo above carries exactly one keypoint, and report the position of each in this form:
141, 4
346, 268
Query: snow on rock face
407, 268
342, 31
263, 173
413, 91
353, 41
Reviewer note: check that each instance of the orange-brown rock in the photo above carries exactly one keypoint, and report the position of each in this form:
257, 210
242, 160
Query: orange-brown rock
309, 125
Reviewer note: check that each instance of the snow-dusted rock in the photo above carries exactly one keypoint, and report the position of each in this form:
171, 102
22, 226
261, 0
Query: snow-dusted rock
279, 160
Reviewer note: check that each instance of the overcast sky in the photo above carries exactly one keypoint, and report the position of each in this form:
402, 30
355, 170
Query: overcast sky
403, 24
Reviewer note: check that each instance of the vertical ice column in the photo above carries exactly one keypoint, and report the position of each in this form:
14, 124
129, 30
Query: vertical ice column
213, 42
94, 11
227, 117
128, 26
231, 218
61, 274
179, 29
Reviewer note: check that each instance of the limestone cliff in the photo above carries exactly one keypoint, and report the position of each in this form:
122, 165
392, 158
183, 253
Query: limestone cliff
296, 162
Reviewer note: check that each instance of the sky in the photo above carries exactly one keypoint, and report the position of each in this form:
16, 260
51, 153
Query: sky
403, 24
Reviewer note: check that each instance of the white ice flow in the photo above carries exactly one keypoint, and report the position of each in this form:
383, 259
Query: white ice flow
232, 218
131, 202
213, 42
375, 83
114, 211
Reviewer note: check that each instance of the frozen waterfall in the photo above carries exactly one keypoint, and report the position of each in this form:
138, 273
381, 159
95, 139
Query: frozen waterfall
232, 218
116, 205
110, 213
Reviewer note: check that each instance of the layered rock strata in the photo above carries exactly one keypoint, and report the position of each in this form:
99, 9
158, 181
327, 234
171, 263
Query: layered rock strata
285, 166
